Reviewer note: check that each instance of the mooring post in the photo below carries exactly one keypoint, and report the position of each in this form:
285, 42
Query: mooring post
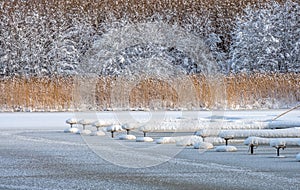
251, 148
278, 151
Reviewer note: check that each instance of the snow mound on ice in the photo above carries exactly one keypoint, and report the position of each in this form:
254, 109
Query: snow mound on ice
203, 145
85, 132
189, 141
224, 148
71, 130
126, 137
166, 140
298, 157
97, 133
144, 139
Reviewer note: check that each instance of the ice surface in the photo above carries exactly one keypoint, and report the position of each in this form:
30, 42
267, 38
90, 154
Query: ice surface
37, 155
85, 132
203, 145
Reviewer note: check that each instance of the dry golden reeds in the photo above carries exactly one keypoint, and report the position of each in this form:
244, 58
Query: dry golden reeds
193, 92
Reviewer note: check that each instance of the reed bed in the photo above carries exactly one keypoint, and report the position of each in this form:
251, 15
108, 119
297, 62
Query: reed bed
110, 93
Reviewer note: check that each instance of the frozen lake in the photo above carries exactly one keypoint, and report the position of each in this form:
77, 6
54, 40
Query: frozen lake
36, 154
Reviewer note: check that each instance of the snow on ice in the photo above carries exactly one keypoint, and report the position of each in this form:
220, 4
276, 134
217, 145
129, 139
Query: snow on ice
126, 137
144, 139
203, 145
224, 148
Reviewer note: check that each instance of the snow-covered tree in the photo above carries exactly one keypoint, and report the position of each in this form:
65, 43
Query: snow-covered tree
35, 43
267, 40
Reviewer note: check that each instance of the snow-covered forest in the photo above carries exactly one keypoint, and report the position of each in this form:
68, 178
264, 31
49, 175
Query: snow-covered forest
51, 42
267, 40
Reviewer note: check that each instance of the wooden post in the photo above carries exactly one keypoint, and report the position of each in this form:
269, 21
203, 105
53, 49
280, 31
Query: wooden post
251, 148
226, 141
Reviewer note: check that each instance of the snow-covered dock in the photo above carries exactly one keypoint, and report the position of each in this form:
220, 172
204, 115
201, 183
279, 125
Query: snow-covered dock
278, 143
267, 133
